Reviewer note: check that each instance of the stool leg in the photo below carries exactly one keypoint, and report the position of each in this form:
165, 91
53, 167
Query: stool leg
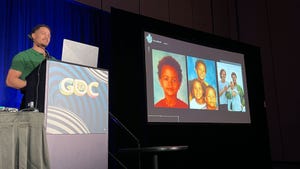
155, 161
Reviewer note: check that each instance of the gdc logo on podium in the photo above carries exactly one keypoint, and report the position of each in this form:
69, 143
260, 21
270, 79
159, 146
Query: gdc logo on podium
69, 86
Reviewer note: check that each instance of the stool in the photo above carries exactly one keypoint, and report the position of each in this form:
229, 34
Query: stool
155, 150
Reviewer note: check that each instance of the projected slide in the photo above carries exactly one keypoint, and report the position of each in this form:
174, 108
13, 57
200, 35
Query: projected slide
192, 83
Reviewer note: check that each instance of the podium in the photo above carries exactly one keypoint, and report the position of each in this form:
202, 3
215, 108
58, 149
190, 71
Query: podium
74, 99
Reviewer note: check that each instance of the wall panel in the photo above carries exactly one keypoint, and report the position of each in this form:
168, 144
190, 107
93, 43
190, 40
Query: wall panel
93, 3
202, 18
181, 12
158, 9
253, 29
128, 5
221, 18
284, 33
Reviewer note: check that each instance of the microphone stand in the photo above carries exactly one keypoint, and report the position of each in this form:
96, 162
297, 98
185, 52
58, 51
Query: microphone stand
118, 122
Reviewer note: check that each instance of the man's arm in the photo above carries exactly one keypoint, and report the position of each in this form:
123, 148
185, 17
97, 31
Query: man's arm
13, 79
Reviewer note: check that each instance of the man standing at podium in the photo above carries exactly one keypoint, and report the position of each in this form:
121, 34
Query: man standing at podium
25, 61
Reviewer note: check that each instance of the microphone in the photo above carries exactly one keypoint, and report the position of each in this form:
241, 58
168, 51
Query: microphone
48, 56
119, 123
29, 36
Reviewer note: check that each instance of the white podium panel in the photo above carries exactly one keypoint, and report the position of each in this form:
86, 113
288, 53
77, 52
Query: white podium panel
76, 108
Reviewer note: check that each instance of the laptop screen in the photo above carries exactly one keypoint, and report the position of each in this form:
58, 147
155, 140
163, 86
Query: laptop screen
79, 53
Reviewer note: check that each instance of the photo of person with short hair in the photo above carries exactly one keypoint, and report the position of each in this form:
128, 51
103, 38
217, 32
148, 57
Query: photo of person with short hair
223, 87
235, 95
169, 74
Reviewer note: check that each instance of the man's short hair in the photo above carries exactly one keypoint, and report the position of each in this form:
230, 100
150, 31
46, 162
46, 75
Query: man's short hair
38, 27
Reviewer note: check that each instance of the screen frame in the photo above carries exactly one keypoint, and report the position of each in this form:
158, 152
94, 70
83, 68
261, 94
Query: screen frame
251, 55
